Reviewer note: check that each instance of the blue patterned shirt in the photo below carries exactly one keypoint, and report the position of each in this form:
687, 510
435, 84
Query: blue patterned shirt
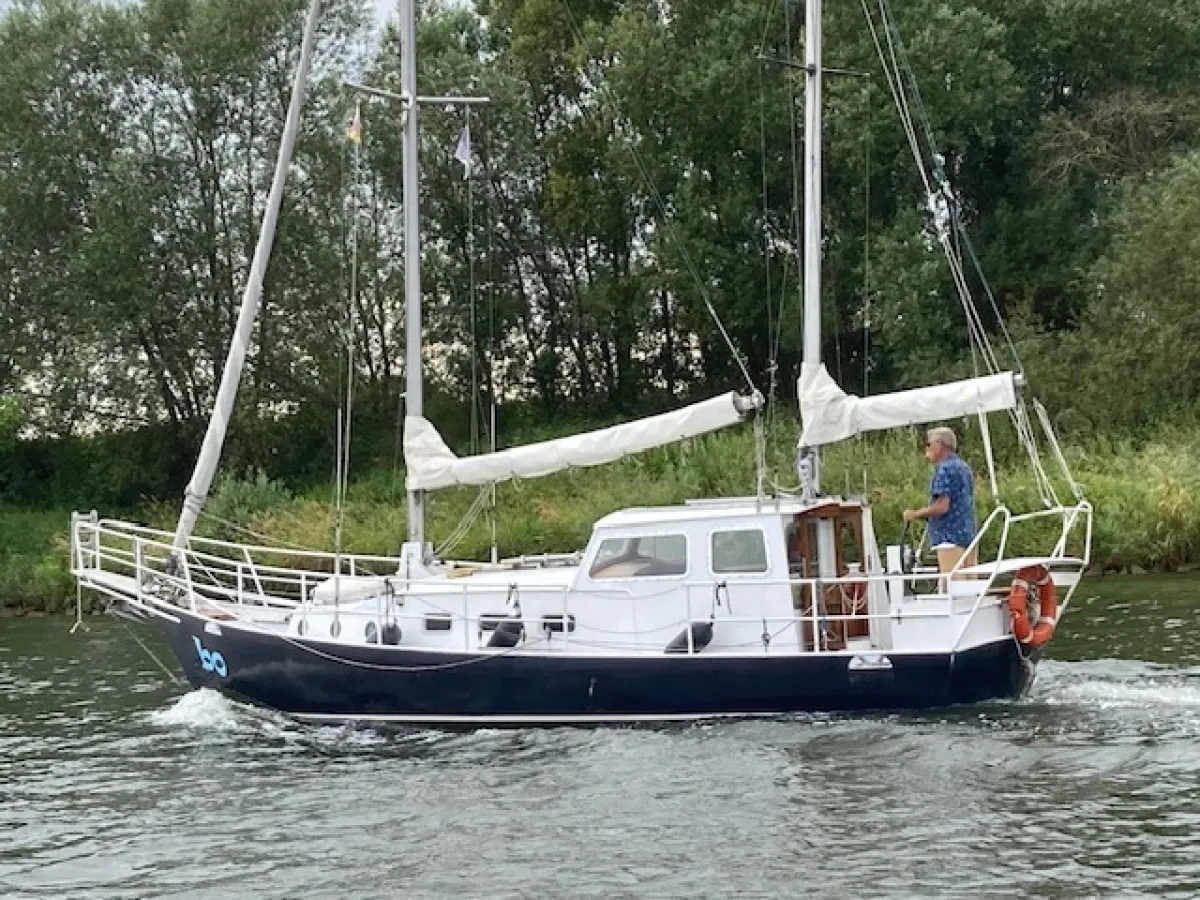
953, 478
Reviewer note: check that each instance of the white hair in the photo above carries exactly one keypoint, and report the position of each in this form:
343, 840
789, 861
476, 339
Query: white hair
944, 436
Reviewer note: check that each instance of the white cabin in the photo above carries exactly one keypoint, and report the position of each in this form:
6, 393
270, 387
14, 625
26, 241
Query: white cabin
748, 567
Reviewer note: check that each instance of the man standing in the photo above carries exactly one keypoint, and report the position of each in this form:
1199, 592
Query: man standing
951, 509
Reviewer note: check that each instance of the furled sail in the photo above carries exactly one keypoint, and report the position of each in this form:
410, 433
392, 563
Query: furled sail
214, 438
431, 464
831, 415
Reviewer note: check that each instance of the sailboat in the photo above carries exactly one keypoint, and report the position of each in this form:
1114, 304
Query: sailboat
740, 606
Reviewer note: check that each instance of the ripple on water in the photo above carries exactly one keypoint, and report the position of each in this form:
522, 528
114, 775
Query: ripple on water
117, 783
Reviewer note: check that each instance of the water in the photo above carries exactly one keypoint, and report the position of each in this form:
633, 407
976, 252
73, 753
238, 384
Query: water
116, 782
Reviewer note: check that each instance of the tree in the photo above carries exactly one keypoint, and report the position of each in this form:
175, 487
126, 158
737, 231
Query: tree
1140, 339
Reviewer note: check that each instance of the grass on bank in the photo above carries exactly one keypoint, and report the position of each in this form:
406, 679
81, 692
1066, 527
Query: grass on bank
33, 559
1147, 501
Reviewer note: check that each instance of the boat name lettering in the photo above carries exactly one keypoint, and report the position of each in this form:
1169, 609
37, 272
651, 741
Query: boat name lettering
211, 660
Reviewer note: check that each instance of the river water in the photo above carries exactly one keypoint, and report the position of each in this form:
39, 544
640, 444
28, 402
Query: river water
118, 782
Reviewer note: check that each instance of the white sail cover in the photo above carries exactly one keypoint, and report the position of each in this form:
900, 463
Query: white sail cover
831, 415
431, 464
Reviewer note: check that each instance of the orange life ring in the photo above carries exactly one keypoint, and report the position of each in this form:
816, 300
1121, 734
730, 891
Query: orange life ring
1034, 635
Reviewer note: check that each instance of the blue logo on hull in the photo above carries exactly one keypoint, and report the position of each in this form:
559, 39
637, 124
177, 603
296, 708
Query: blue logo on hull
211, 660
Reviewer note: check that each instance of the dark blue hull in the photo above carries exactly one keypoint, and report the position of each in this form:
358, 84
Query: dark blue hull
337, 682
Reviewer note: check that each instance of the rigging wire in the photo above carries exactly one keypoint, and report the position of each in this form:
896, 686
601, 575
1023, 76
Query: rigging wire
866, 361
463, 528
491, 354
941, 199
486, 498
987, 289
766, 226
264, 539
866, 295
940, 204
398, 444
764, 419
767, 17
948, 223
345, 421
401, 395
171, 675
668, 223
775, 318
471, 291
1020, 416
797, 175
490, 358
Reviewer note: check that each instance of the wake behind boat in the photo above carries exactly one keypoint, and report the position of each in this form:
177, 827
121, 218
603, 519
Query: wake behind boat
719, 607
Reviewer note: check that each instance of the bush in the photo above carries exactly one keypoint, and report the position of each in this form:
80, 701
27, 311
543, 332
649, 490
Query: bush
12, 418
235, 502
33, 559
1147, 500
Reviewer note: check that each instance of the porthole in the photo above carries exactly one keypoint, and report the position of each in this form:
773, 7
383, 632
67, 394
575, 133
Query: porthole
489, 621
554, 623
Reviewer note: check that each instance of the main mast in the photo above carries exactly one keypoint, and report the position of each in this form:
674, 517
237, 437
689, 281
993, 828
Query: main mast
808, 460
413, 396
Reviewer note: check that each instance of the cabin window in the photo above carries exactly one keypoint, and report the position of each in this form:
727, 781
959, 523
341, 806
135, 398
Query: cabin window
742, 551
639, 557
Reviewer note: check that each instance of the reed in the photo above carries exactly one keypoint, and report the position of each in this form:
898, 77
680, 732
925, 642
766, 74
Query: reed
1146, 495
33, 559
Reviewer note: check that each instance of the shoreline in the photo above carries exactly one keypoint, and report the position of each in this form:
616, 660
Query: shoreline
1147, 502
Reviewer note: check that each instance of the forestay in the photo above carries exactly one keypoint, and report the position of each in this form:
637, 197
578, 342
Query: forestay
830, 414
431, 464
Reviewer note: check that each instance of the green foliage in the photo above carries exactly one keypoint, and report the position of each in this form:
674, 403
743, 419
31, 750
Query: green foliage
137, 143
1134, 362
1147, 498
1147, 501
1149, 290
33, 559
235, 502
635, 163
12, 418
116, 471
